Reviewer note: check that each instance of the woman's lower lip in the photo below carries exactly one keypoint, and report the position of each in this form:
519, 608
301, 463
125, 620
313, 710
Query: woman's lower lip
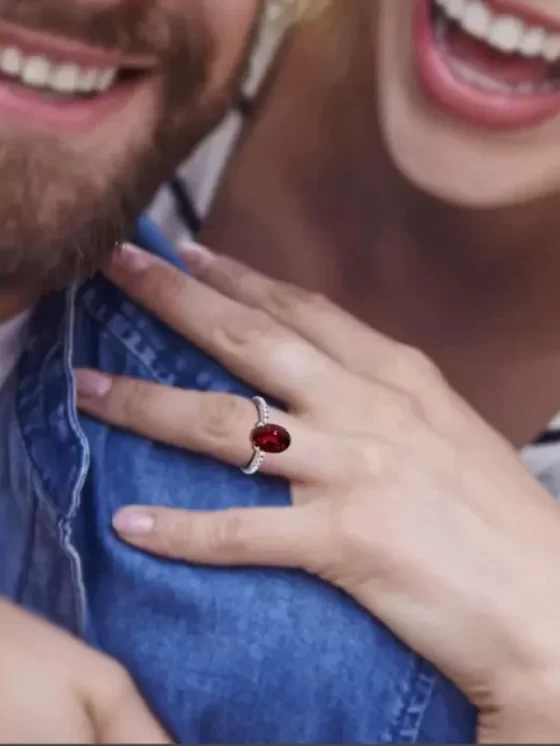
474, 106
31, 110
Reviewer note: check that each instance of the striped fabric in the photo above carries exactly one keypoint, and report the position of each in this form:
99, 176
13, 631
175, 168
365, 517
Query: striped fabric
181, 205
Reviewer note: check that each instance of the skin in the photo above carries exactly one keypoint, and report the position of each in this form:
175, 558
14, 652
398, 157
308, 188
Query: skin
75, 695
87, 189
496, 170
465, 252
442, 260
402, 495
70, 200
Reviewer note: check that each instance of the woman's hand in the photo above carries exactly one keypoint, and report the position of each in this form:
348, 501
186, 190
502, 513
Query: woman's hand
54, 689
402, 495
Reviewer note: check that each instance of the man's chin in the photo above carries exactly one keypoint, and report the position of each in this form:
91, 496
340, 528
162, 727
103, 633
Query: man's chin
48, 267
57, 224
46, 256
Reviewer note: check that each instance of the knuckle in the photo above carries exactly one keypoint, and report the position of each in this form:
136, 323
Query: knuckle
230, 275
219, 416
406, 411
396, 410
365, 458
219, 535
417, 367
431, 400
162, 283
227, 536
171, 534
286, 300
246, 329
368, 458
131, 400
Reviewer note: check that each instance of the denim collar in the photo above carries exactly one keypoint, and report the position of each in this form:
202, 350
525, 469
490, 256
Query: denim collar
46, 399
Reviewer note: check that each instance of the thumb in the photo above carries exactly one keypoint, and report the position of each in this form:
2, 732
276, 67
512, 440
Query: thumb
286, 537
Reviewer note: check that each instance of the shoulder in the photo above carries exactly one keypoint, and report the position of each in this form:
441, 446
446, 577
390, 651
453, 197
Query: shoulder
110, 326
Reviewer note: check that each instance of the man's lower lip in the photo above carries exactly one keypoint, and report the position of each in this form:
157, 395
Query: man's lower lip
483, 109
30, 110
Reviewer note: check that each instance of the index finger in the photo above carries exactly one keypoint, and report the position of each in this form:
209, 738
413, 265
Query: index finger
345, 338
247, 341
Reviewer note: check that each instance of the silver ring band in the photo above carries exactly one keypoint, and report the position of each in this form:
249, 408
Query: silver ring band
258, 454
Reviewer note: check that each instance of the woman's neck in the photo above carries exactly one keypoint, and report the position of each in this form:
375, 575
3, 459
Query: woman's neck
498, 268
315, 187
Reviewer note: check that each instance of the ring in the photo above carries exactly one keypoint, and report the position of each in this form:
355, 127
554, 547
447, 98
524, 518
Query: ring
265, 437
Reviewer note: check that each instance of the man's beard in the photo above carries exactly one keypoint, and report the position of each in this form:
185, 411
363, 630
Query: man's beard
55, 224
59, 219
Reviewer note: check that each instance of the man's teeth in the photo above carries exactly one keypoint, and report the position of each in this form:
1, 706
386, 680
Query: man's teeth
68, 78
505, 33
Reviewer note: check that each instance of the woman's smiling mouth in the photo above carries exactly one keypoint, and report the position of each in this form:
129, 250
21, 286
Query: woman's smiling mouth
488, 67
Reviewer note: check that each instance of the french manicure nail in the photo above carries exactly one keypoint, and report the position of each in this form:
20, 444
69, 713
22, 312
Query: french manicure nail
92, 383
133, 522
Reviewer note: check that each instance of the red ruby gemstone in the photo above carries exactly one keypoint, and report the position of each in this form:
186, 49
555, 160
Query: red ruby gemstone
271, 438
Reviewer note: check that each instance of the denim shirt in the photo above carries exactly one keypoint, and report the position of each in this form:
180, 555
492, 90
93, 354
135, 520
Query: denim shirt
222, 655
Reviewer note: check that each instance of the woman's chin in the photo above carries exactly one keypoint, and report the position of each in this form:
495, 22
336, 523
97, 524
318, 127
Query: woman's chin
455, 147
457, 170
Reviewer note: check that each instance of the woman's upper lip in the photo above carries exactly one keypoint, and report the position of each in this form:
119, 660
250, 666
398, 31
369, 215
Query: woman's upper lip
61, 49
528, 15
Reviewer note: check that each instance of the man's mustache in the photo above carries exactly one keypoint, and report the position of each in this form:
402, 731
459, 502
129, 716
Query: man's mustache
133, 26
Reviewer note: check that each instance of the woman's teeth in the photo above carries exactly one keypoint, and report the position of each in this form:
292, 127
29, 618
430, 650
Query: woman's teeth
492, 85
66, 78
505, 33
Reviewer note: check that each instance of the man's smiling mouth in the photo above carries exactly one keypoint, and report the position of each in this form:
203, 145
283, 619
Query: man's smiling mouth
48, 80
41, 73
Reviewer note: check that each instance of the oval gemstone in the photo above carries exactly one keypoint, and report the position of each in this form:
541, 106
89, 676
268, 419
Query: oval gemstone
271, 438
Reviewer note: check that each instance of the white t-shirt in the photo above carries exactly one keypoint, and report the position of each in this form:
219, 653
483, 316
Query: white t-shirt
12, 336
198, 178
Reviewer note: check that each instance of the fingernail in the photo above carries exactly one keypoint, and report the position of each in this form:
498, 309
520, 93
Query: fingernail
131, 258
132, 521
196, 256
92, 383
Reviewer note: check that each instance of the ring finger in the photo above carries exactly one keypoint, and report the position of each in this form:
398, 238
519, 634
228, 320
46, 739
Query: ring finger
216, 424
